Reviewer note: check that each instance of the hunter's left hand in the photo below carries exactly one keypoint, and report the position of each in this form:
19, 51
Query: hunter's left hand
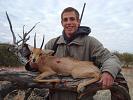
106, 80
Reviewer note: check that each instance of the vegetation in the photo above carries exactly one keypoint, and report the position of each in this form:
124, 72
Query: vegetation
8, 58
125, 58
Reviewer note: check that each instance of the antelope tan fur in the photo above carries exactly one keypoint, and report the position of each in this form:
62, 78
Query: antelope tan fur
51, 65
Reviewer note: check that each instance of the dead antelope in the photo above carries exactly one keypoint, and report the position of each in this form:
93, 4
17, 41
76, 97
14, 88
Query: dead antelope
51, 65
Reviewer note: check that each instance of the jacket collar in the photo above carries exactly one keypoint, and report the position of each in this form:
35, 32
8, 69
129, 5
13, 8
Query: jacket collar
81, 32
77, 41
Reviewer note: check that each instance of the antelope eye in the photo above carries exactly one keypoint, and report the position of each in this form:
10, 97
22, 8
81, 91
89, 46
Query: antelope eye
31, 52
40, 54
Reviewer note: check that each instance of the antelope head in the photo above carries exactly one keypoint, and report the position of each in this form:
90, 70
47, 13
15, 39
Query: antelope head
38, 55
36, 52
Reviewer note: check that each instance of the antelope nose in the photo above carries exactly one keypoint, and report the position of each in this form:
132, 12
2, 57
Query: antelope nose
34, 60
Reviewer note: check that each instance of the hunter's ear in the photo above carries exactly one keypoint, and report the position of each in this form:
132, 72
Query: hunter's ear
49, 52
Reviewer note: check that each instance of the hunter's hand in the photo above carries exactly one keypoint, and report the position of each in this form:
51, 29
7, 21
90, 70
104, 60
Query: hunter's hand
106, 80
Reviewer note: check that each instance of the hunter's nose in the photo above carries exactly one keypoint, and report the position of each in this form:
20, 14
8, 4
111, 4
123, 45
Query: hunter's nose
34, 60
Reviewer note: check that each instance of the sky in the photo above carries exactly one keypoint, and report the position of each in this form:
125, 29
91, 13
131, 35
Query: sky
111, 21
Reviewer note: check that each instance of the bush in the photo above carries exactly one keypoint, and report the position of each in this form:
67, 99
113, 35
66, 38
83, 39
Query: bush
7, 58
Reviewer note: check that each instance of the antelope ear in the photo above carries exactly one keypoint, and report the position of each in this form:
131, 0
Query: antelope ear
48, 52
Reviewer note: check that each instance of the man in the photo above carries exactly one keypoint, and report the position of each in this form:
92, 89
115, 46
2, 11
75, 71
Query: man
76, 43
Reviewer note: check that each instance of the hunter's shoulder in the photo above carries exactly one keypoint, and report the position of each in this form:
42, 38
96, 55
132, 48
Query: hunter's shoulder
51, 42
91, 39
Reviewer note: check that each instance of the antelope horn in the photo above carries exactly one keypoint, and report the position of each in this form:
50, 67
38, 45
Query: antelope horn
35, 41
14, 38
42, 43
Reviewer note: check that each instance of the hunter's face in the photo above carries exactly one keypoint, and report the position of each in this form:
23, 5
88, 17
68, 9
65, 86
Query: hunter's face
70, 23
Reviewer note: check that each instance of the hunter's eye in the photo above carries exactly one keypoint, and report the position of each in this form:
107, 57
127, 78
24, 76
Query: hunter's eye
65, 19
72, 19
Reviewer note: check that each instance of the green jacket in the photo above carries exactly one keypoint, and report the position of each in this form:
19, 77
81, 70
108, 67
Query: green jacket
87, 48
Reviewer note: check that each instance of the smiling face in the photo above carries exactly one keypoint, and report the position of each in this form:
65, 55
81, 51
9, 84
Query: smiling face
70, 23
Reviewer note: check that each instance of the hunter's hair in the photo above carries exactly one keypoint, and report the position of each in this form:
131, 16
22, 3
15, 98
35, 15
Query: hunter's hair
70, 9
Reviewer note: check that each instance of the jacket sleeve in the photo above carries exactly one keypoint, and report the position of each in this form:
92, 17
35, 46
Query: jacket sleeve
108, 61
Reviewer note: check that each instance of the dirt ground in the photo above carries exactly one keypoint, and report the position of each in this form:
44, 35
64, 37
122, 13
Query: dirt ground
128, 74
